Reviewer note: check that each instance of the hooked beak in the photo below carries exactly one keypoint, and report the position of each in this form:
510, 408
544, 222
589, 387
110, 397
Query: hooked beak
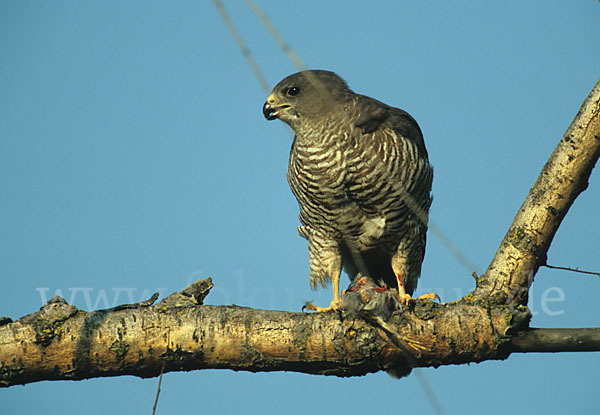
270, 110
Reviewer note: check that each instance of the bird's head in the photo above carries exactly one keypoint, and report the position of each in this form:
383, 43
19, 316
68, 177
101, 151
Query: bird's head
305, 96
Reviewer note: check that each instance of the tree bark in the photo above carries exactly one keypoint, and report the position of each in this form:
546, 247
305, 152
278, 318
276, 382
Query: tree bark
179, 333
61, 342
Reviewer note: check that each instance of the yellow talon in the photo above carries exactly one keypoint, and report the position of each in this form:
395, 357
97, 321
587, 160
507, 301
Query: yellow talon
429, 296
405, 298
335, 304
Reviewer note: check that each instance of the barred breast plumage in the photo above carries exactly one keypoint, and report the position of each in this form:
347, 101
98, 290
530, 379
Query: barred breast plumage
360, 172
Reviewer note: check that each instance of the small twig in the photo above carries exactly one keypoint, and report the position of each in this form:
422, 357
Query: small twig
572, 269
162, 369
145, 303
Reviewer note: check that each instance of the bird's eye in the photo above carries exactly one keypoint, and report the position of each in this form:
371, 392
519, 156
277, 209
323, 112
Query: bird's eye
293, 91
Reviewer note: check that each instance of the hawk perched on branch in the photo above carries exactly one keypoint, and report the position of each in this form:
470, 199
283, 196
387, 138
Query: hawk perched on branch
360, 173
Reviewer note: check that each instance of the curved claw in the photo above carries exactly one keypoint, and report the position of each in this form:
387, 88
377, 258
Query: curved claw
308, 306
429, 296
405, 298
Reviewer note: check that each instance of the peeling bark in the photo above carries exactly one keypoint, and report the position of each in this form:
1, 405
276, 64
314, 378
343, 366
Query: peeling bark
61, 342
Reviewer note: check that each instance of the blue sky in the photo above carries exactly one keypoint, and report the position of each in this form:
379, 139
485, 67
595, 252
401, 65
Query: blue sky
134, 158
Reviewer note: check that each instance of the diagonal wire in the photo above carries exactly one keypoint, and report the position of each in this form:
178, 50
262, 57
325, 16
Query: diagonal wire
410, 202
258, 73
442, 237
287, 49
428, 390
402, 343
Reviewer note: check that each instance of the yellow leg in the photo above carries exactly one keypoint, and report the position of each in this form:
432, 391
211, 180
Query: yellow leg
404, 297
335, 303
336, 290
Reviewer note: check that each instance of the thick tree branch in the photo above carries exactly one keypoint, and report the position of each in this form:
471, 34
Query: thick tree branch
562, 179
62, 342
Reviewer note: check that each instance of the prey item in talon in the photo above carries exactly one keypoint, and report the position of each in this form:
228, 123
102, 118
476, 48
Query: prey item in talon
369, 299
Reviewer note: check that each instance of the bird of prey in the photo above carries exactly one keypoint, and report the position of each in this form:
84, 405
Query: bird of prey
360, 172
